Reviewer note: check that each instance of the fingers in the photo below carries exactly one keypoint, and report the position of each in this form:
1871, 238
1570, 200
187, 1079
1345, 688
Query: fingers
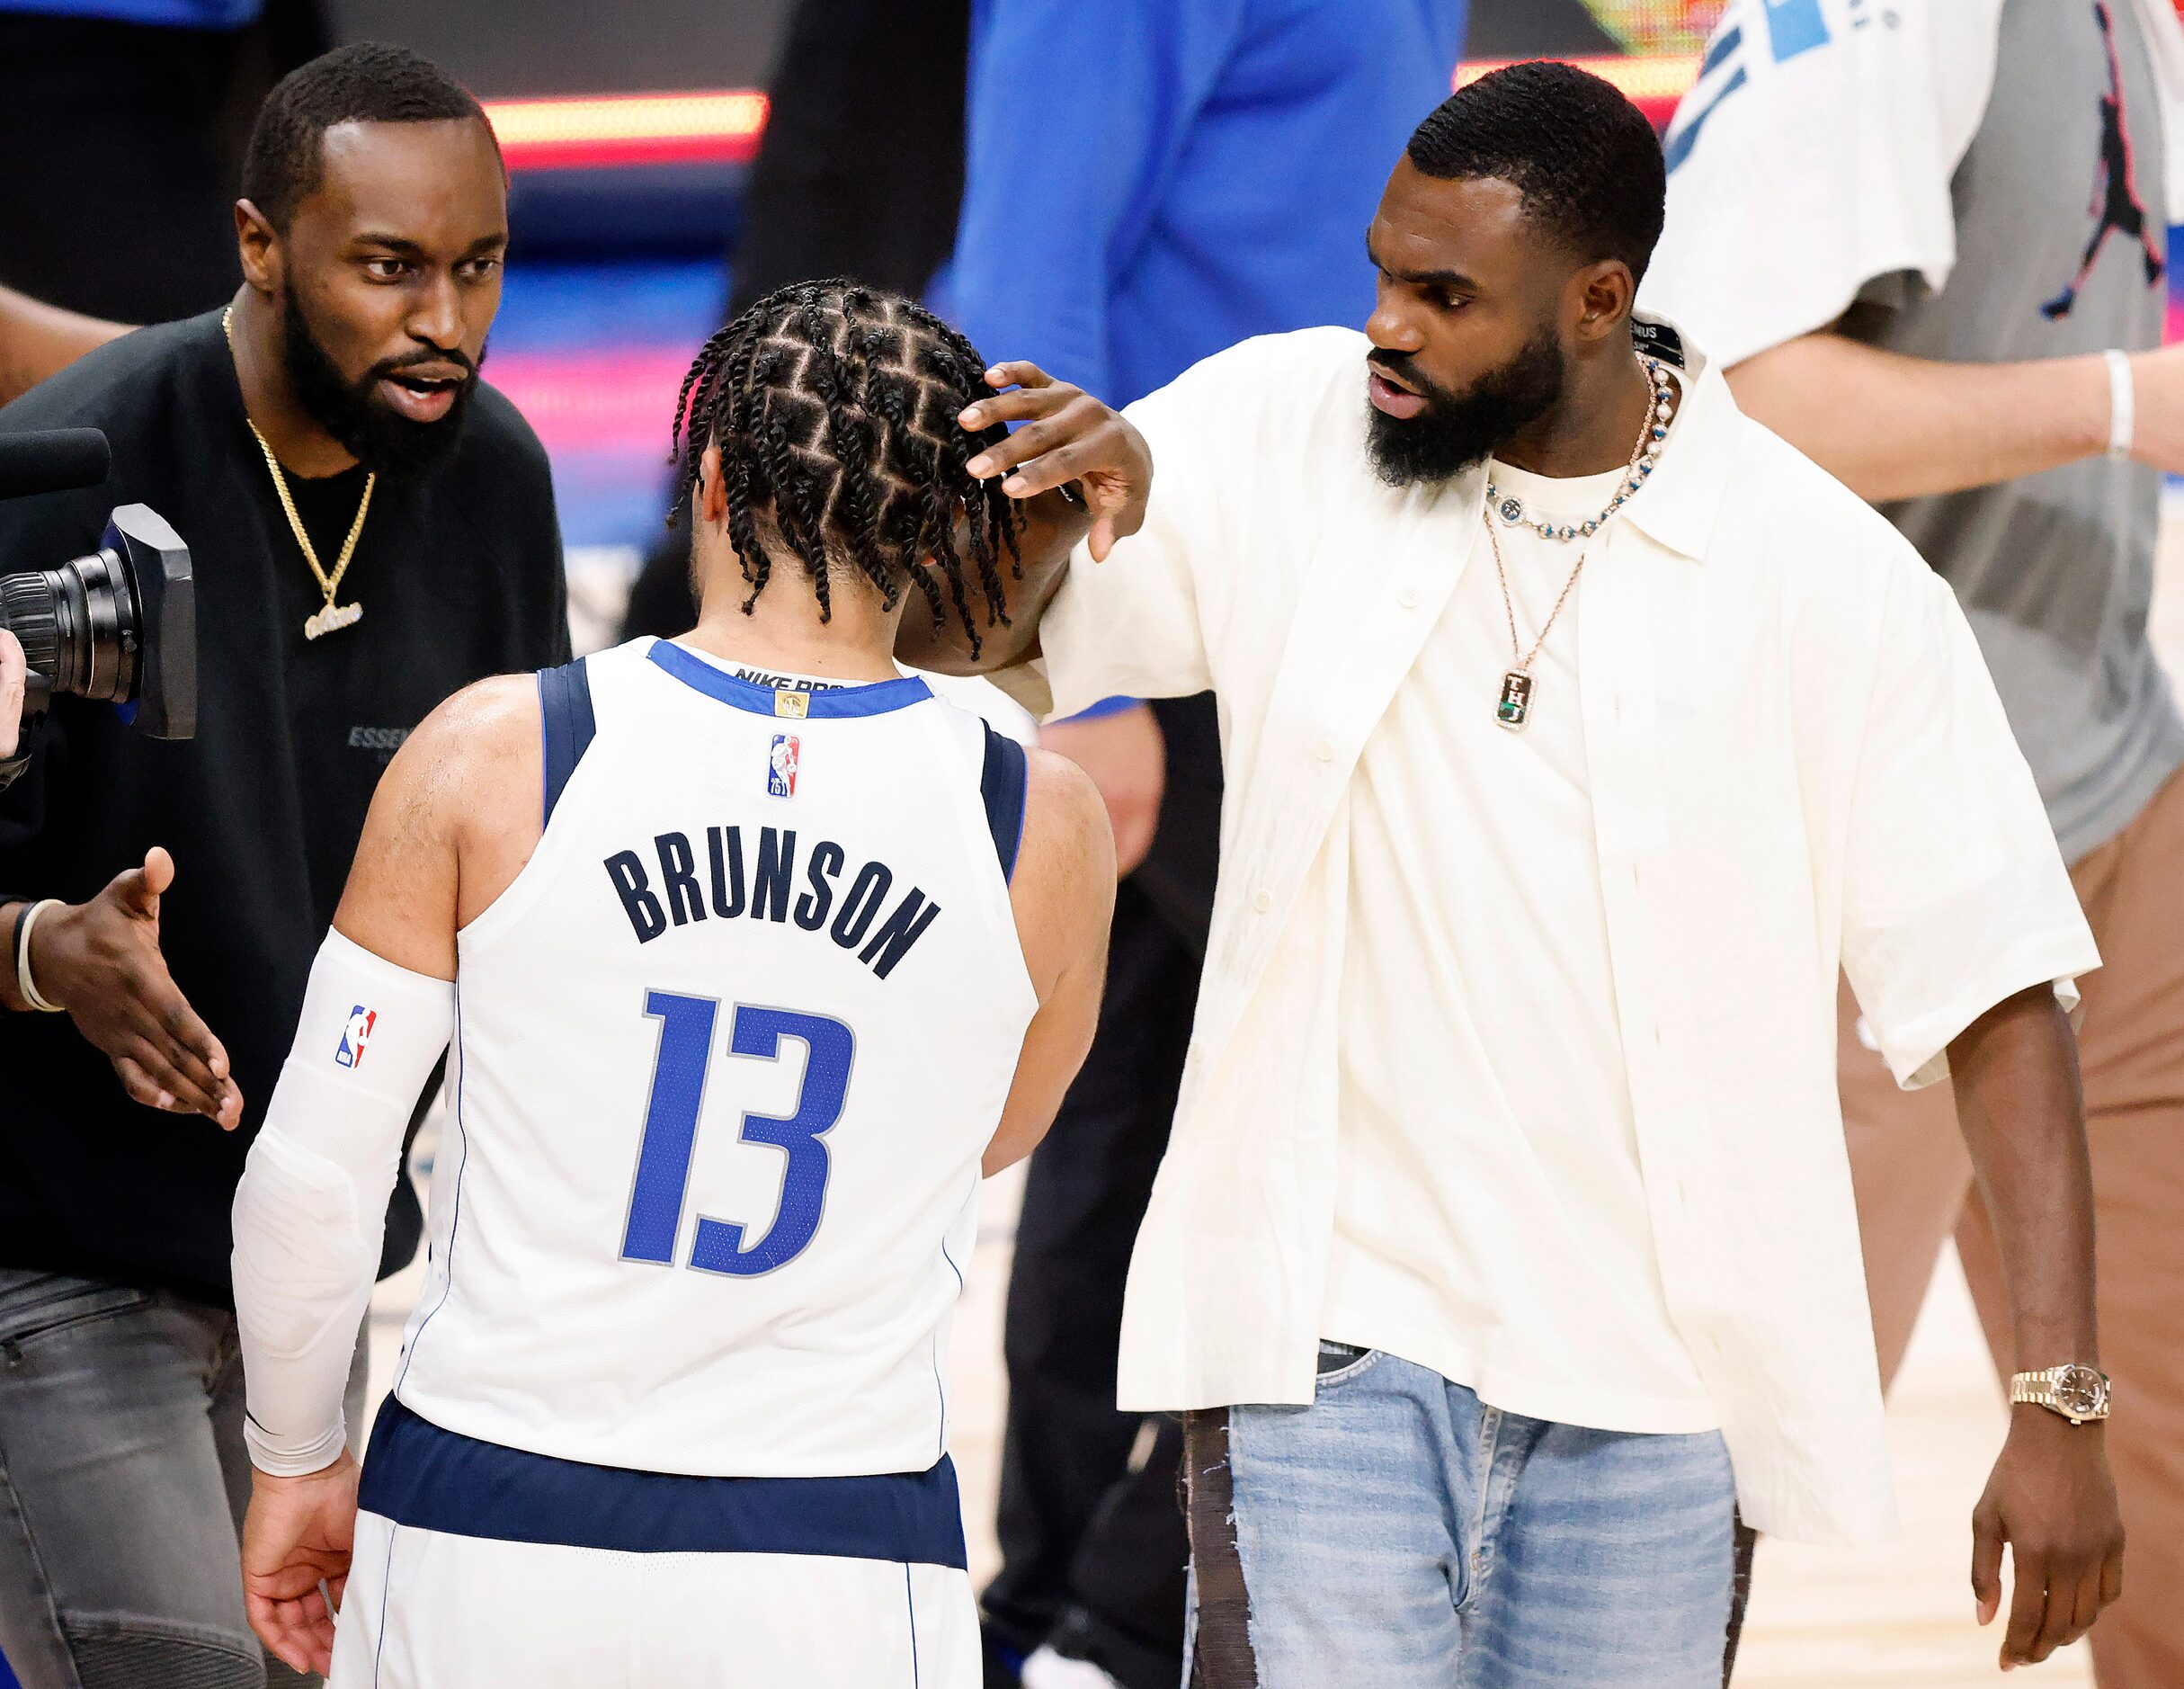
163, 1015
160, 1082
1114, 519
178, 1050
2088, 1606
173, 1016
1075, 419
1103, 538
2060, 1613
298, 1630
155, 1086
1025, 404
1986, 1564
2027, 1607
134, 893
1022, 372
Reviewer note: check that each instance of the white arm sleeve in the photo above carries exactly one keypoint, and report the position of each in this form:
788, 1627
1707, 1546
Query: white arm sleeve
311, 1210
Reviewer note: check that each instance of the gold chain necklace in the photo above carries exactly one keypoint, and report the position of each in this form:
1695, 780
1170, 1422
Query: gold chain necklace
1513, 709
333, 617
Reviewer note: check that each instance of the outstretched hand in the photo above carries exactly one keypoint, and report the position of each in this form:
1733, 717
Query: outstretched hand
100, 962
1068, 436
297, 1540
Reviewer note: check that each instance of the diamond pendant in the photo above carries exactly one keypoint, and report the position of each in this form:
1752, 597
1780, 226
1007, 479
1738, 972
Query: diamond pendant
333, 619
1516, 705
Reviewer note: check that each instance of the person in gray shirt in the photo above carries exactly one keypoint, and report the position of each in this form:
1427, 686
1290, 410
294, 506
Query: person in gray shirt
1928, 242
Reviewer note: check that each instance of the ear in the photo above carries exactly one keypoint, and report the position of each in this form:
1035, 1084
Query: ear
259, 246
712, 494
1604, 292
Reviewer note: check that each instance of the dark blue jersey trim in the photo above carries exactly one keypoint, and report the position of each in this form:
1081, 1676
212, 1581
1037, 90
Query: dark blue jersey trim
565, 726
1002, 783
417, 1474
874, 700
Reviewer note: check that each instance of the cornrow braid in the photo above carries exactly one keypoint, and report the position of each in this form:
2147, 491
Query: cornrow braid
834, 408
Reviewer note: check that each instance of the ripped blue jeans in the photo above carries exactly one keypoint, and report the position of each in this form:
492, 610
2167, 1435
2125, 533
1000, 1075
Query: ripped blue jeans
1400, 1532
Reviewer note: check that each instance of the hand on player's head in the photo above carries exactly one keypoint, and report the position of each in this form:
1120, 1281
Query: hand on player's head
1067, 436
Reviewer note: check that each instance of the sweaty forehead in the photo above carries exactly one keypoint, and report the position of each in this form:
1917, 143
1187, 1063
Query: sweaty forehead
435, 183
1476, 227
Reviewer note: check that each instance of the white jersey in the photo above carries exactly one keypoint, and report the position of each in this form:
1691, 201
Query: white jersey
728, 1053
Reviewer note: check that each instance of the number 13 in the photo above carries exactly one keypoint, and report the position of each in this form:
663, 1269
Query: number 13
671, 1133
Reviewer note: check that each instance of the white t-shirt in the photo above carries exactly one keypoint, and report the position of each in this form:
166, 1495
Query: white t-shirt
1491, 1219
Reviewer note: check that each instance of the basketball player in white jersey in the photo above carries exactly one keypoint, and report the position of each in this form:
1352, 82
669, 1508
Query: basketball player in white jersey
753, 953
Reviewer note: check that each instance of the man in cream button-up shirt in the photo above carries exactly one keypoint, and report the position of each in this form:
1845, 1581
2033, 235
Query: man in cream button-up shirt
1509, 1141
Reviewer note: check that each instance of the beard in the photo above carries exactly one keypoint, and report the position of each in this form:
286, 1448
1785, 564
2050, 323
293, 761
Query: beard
380, 439
1456, 431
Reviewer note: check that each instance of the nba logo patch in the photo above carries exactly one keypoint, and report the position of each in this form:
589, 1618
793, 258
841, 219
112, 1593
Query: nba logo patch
781, 765
356, 1034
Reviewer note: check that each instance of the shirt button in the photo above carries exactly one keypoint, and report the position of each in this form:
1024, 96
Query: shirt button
1323, 749
1262, 901
1408, 598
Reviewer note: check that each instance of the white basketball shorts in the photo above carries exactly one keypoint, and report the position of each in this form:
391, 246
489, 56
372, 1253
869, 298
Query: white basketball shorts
477, 1566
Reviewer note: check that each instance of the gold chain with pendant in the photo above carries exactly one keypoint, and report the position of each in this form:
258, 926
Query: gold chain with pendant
1513, 708
333, 618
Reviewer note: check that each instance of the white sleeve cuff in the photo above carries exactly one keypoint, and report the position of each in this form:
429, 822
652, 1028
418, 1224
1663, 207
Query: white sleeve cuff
283, 1458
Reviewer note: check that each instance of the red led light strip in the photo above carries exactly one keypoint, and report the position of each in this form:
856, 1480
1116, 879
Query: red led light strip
723, 126
720, 126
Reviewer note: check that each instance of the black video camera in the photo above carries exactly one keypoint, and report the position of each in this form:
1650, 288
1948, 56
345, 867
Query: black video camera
118, 624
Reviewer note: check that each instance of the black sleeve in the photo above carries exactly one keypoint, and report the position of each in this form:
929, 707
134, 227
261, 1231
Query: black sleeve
553, 637
540, 585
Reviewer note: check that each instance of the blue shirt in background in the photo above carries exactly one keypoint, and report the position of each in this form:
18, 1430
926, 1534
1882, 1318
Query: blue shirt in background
1147, 181
186, 14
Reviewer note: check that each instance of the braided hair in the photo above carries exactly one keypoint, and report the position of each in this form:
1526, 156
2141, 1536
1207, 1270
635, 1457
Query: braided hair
834, 408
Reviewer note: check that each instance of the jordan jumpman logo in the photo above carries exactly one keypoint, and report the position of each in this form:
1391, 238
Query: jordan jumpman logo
2116, 200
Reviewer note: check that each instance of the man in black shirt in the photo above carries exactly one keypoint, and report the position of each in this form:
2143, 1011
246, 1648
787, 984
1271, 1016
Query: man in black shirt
371, 530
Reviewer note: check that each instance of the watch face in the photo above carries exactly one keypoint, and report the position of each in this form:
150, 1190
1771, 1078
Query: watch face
2079, 1390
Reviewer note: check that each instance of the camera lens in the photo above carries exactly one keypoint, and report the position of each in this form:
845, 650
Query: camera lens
77, 624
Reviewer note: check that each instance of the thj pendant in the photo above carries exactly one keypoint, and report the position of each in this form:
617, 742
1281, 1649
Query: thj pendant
1516, 703
333, 619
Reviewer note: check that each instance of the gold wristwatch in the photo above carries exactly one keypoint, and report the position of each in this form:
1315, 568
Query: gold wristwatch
2079, 1393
